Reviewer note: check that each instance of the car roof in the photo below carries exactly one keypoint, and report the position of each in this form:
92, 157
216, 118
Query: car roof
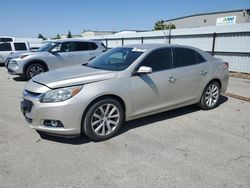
151, 46
74, 40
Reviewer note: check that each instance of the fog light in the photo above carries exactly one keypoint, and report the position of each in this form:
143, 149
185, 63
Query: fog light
52, 123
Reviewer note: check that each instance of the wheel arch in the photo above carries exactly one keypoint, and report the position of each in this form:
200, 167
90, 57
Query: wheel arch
35, 61
215, 80
112, 96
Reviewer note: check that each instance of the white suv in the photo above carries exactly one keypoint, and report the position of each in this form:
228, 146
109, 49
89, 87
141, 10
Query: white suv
12, 48
55, 55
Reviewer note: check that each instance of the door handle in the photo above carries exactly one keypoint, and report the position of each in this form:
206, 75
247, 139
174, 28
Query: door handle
70, 55
203, 72
171, 79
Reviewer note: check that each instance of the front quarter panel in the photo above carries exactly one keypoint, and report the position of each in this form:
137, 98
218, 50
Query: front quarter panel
117, 87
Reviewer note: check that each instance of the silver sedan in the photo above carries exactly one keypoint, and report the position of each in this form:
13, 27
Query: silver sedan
124, 83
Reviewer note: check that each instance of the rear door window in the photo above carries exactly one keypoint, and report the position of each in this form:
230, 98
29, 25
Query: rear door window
20, 46
184, 57
5, 47
159, 60
82, 46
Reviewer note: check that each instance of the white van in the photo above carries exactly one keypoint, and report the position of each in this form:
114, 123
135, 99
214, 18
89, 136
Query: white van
9, 48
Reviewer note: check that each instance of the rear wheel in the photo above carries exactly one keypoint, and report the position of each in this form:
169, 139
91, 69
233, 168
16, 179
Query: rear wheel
34, 69
210, 96
103, 119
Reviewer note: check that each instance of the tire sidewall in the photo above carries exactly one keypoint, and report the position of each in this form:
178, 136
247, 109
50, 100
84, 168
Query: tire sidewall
30, 66
87, 128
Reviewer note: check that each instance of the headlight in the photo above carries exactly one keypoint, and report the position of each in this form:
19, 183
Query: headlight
23, 56
13, 62
59, 95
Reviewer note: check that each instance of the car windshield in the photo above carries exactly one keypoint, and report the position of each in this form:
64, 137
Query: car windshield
116, 59
47, 47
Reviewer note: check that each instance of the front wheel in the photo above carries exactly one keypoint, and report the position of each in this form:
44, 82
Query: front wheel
103, 119
210, 96
34, 69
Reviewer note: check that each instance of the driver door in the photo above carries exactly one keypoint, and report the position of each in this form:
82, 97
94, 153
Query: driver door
152, 92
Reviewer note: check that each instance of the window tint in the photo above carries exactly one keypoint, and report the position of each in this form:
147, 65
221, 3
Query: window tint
20, 46
93, 46
199, 58
5, 47
184, 57
82, 46
158, 60
6, 39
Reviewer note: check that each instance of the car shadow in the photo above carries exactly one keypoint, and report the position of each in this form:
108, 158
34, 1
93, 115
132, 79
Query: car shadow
163, 116
133, 124
20, 79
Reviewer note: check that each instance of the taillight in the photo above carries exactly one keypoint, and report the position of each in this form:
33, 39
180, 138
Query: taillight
226, 64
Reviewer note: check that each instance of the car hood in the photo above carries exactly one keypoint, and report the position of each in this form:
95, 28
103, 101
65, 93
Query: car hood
74, 75
35, 53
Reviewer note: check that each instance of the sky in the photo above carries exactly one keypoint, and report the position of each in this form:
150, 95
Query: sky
28, 18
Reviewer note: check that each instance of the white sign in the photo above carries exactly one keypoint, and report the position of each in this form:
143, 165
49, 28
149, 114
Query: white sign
226, 20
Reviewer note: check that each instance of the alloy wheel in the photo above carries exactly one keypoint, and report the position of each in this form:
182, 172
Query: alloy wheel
105, 119
212, 95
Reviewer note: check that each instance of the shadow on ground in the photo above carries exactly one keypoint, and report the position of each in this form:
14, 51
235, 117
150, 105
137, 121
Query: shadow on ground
134, 123
20, 79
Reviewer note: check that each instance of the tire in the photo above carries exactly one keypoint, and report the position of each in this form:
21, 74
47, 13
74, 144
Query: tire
34, 69
210, 96
103, 119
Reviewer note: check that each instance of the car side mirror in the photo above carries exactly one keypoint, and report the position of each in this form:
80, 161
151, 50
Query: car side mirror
144, 70
53, 51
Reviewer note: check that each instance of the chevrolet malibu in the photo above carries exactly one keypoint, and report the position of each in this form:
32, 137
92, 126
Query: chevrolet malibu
122, 84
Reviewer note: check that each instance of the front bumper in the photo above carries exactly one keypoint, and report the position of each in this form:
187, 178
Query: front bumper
69, 113
14, 68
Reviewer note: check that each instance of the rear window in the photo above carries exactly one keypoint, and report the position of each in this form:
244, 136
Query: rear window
5, 47
20, 46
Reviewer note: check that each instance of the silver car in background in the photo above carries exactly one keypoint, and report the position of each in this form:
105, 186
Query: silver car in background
124, 83
56, 54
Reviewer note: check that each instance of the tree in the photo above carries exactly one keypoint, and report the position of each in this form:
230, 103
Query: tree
40, 36
161, 25
58, 36
69, 35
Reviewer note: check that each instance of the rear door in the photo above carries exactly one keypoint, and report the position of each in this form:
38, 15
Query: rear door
6, 49
83, 52
97, 50
190, 72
